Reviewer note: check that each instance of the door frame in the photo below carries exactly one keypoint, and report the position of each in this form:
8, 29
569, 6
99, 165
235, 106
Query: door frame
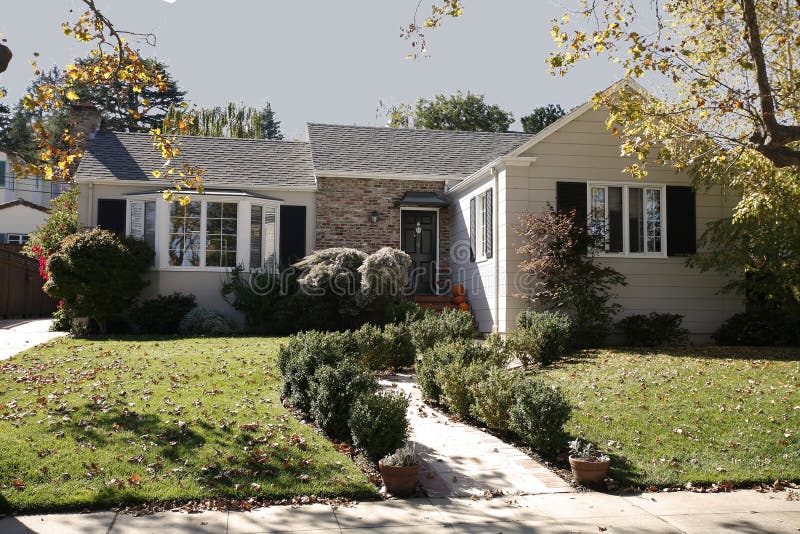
400, 232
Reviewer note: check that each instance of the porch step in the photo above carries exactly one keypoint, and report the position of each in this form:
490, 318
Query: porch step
435, 302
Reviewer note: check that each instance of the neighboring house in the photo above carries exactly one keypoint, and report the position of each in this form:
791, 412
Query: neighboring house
31, 189
19, 218
452, 200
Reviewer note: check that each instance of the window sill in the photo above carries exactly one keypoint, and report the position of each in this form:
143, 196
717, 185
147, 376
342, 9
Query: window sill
631, 256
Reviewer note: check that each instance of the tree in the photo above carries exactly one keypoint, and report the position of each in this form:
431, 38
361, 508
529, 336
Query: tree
126, 108
232, 120
541, 117
96, 274
566, 277
458, 111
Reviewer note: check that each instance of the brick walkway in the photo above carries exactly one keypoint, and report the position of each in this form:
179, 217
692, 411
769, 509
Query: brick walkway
459, 460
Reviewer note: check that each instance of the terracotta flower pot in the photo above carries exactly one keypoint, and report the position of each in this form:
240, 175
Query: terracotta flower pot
587, 472
400, 481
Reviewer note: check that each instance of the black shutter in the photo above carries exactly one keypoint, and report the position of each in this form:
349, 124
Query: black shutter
572, 196
472, 229
681, 221
488, 240
111, 215
292, 242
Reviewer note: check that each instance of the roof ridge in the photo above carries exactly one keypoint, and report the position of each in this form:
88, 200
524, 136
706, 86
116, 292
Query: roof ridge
243, 139
426, 130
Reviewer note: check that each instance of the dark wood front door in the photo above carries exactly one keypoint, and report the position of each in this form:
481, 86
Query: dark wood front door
419, 240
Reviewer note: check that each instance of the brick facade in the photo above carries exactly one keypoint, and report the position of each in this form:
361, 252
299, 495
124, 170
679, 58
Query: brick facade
343, 214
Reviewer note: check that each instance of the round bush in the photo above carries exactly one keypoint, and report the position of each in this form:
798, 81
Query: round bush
494, 397
379, 423
759, 328
542, 337
299, 358
334, 389
384, 348
434, 359
539, 413
458, 384
205, 322
163, 314
445, 327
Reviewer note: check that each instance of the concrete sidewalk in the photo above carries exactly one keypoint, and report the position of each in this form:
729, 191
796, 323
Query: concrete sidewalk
739, 511
17, 335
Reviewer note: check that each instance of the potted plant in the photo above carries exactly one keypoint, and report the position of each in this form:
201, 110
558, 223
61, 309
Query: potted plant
400, 471
589, 466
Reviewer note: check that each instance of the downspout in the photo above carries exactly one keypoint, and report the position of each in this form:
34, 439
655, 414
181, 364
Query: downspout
496, 246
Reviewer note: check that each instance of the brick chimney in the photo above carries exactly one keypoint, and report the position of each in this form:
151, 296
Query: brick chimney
84, 119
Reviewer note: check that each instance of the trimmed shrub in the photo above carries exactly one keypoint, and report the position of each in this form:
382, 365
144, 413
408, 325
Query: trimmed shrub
542, 337
303, 354
384, 275
381, 348
494, 397
654, 329
539, 413
458, 383
333, 391
433, 360
269, 301
96, 275
759, 328
406, 311
205, 322
445, 327
163, 314
379, 423
62, 320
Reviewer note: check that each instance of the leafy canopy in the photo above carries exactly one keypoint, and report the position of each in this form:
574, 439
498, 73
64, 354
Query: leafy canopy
458, 111
541, 117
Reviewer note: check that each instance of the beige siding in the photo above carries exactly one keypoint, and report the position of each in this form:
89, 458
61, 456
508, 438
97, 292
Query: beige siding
583, 150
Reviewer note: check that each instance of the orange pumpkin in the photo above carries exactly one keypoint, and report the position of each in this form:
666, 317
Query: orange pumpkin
458, 290
463, 306
459, 299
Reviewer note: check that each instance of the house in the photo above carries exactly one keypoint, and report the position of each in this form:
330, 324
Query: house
24, 202
451, 199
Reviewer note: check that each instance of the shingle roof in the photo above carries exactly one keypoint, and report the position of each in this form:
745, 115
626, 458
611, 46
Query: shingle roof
393, 151
239, 162
25, 203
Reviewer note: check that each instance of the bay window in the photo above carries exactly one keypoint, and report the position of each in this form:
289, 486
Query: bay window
627, 219
215, 231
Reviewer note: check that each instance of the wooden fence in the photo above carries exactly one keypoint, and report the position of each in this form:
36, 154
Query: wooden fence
21, 292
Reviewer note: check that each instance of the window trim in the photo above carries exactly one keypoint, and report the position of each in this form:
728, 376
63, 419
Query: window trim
21, 239
626, 186
480, 225
162, 223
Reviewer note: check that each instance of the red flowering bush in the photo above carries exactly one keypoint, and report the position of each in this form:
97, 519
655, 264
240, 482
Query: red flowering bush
63, 221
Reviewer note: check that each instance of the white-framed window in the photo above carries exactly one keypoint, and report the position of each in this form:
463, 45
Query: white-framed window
213, 233
17, 239
56, 188
481, 225
628, 219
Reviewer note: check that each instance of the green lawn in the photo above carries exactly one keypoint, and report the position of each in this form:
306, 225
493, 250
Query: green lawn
91, 424
698, 415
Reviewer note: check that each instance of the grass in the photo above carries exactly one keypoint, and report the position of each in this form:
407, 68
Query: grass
93, 424
700, 415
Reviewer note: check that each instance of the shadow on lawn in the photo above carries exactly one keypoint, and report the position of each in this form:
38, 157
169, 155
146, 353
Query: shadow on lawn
701, 352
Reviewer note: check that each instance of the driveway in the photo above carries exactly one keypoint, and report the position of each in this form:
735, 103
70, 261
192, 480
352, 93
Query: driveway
17, 335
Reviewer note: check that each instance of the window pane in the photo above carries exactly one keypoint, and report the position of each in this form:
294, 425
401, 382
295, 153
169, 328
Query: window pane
653, 220
597, 215
270, 241
635, 219
184, 238
221, 220
615, 219
255, 237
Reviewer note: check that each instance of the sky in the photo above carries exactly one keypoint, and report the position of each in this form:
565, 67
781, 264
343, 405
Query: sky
322, 61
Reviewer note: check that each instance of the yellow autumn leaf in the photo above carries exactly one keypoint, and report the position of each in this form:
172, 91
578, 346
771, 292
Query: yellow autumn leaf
72, 95
156, 173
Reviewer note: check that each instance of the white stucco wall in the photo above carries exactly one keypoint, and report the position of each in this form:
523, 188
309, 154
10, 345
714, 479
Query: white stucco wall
20, 219
204, 284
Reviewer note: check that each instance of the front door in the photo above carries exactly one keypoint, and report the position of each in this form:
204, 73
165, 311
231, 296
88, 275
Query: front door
419, 240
